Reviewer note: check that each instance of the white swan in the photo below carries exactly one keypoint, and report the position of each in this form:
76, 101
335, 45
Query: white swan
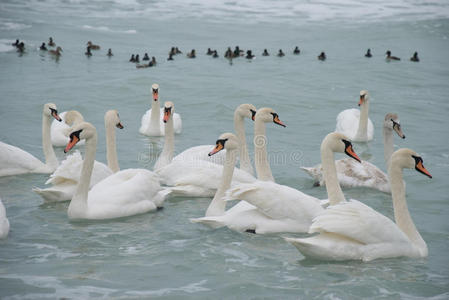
353, 174
354, 231
14, 161
66, 177
355, 123
125, 193
201, 152
284, 214
200, 178
4, 222
152, 121
287, 209
60, 130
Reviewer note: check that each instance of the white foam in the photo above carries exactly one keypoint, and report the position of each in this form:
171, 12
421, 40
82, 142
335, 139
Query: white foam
13, 26
107, 29
6, 45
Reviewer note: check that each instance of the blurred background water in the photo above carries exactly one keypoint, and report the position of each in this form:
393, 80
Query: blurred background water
162, 254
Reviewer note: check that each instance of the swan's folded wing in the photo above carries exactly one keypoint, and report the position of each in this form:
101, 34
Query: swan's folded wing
14, 161
201, 153
145, 121
359, 222
277, 201
351, 173
347, 122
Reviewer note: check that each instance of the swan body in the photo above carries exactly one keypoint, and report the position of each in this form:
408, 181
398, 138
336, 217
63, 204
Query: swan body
355, 123
353, 174
125, 193
353, 231
4, 222
14, 161
60, 130
66, 177
201, 152
152, 123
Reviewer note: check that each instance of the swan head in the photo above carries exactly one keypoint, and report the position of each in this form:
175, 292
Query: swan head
363, 97
407, 158
169, 110
73, 116
268, 115
155, 91
228, 141
83, 130
340, 143
392, 122
113, 117
50, 110
246, 111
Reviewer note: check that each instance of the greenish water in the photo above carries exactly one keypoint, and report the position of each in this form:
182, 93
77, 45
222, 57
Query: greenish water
162, 254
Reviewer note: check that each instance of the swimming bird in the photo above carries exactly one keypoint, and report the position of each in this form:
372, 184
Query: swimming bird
51, 43
355, 123
265, 53
88, 53
215, 54
390, 57
43, 47
56, 52
209, 51
368, 53
192, 54
280, 53
132, 59
322, 56
415, 57
296, 50
351, 230
93, 46
249, 54
110, 52
146, 57
170, 56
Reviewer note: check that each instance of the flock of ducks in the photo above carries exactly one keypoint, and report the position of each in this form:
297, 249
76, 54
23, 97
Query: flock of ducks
345, 230
229, 53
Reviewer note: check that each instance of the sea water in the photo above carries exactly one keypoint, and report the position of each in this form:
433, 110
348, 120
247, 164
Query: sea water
162, 254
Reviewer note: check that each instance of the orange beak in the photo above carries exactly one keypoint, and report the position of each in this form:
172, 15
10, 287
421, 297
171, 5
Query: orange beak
350, 152
420, 168
119, 125
55, 115
279, 122
217, 148
167, 115
361, 100
155, 95
71, 143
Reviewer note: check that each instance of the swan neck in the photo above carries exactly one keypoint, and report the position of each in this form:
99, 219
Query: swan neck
78, 204
166, 155
217, 206
111, 148
239, 127
334, 192
155, 115
362, 131
263, 169
388, 145
401, 213
47, 147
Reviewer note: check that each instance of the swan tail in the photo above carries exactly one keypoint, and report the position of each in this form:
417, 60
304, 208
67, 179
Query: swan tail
209, 221
190, 191
237, 192
50, 195
161, 196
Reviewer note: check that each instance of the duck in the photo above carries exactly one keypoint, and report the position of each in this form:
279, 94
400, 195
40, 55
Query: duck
93, 46
15, 161
110, 52
280, 53
146, 57
365, 174
152, 121
249, 55
265, 53
170, 56
21, 47
390, 57
192, 54
209, 51
415, 57
243, 111
60, 130
153, 62
88, 53
177, 50
322, 56
16, 43
355, 123
296, 51
125, 193
66, 177
215, 54
43, 47
137, 59
132, 59
51, 43
56, 52
368, 53
351, 230
4, 222
228, 53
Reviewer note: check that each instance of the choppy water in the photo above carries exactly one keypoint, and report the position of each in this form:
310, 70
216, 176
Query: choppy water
162, 254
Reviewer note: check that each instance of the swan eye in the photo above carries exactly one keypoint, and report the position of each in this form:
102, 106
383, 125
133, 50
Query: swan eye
75, 133
167, 109
155, 91
53, 111
396, 124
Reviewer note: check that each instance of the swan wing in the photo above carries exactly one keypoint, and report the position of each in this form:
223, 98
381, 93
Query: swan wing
348, 122
145, 122
201, 153
358, 222
14, 160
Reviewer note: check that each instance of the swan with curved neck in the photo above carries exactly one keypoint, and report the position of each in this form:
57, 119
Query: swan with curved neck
354, 231
263, 115
66, 177
287, 209
14, 161
201, 152
60, 130
353, 174
355, 123
125, 193
152, 121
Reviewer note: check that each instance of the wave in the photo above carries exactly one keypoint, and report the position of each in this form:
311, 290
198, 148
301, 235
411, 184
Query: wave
6, 45
107, 29
13, 26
